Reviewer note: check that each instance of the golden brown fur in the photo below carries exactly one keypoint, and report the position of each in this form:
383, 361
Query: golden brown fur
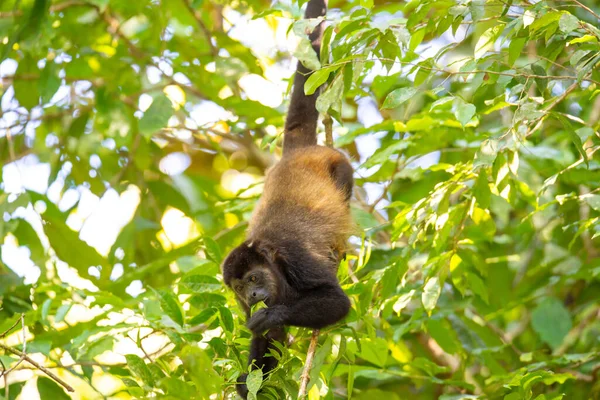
302, 201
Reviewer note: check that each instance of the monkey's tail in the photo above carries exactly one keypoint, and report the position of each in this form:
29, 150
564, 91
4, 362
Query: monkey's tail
301, 122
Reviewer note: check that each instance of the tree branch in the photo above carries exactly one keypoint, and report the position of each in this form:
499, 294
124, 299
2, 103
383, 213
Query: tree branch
586, 8
328, 122
36, 365
55, 8
308, 365
202, 26
10, 329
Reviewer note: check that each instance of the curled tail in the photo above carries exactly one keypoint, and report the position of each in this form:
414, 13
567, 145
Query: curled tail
301, 122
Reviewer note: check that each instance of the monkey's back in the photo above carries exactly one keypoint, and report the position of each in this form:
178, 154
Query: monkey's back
302, 202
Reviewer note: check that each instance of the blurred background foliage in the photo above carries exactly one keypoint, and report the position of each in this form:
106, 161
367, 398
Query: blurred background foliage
134, 136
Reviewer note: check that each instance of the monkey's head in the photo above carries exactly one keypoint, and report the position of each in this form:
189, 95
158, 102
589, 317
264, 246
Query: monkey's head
250, 271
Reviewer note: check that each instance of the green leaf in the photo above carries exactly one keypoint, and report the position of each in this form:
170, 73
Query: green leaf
486, 154
464, 113
431, 293
254, 381
77, 127
477, 286
366, 3
48, 389
68, 246
226, 319
26, 87
140, 369
325, 49
375, 351
156, 116
416, 39
568, 23
528, 18
258, 306
398, 96
213, 250
551, 321
584, 133
201, 300
177, 388
441, 331
170, 305
403, 301
514, 49
98, 347
198, 366
481, 189
62, 311
575, 138
363, 219
49, 81
477, 8
593, 200
542, 83
201, 283
584, 39
306, 55
384, 153
332, 97
486, 41
315, 80
429, 367
545, 20
203, 316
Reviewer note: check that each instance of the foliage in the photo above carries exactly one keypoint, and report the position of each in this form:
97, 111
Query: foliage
476, 272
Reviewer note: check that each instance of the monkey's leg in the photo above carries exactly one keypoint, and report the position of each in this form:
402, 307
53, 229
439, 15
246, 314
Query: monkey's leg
258, 358
319, 307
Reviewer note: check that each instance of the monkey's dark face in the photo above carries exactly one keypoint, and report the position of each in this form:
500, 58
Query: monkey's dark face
250, 271
258, 284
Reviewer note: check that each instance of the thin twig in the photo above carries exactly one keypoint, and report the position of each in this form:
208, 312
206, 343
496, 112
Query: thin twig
586, 8
6, 389
24, 357
115, 28
10, 329
399, 165
205, 31
549, 107
22, 320
90, 363
38, 366
312, 347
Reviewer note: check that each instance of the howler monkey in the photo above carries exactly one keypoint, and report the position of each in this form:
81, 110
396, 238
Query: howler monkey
297, 232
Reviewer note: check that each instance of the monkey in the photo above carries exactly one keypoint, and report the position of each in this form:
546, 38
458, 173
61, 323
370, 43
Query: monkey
297, 233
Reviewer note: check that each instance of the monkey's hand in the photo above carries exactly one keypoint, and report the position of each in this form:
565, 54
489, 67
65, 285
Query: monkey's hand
267, 318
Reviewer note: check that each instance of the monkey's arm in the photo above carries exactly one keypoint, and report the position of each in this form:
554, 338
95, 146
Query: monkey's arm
315, 308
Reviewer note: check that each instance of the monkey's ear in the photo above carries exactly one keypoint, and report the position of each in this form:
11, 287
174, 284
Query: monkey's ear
266, 250
235, 264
